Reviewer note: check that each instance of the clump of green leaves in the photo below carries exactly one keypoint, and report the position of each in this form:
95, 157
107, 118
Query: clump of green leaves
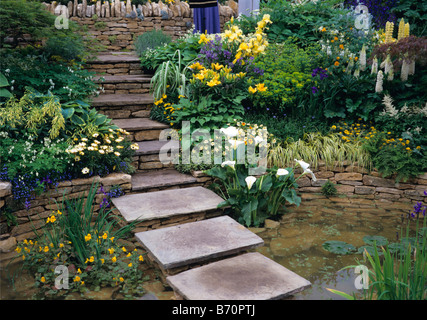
151, 40
394, 159
287, 74
329, 189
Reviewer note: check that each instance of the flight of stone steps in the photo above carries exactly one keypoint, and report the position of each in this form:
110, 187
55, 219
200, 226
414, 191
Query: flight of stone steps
202, 253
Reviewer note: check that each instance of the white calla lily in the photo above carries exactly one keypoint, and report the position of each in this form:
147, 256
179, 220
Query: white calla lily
250, 181
258, 140
228, 163
282, 172
304, 166
230, 131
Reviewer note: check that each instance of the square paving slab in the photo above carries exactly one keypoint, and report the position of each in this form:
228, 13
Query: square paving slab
198, 241
167, 203
250, 276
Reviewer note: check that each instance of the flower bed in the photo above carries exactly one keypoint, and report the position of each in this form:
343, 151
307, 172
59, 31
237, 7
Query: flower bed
42, 206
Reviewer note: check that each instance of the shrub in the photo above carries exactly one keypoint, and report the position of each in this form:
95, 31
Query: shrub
286, 73
19, 17
151, 40
298, 20
30, 68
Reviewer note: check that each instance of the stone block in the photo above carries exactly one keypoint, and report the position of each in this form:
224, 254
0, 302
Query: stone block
364, 190
5, 188
370, 180
355, 176
116, 178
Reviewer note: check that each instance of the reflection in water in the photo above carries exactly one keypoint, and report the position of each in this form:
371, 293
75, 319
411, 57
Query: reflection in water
297, 242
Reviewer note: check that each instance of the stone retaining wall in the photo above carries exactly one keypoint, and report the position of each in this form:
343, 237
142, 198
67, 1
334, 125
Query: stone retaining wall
43, 205
117, 24
350, 179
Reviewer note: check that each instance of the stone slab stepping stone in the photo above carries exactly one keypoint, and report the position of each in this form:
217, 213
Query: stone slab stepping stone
160, 179
136, 124
249, 276
154, 147
114, 100
166, 203
199, 241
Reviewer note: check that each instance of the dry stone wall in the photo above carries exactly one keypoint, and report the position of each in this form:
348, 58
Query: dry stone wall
116, 24
350, 180
42, 205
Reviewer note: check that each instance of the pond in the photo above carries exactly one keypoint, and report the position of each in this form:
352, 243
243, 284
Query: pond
296, 243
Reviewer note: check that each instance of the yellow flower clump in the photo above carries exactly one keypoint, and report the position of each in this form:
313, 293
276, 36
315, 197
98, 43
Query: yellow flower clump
243, 46
357, 131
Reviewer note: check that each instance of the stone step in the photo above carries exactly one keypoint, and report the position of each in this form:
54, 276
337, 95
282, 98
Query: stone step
121, 100
155, 146
141, 129
147, 157
117, 63
249, 276
111, 79
115, 57
197, 242
164, 204
124, 106
160, 179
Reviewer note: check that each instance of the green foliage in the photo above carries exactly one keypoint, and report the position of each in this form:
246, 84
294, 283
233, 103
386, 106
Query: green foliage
19, 17
287, 127
343, 95
394, 159
151, 40
30, 68
29, 156
338, 247
188, 46
315, 147
67, 46
287, 73
208, 112
35, 113
398, 270
298, 20
170, 76
4, 93
415, 13
329, 189
253, 203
